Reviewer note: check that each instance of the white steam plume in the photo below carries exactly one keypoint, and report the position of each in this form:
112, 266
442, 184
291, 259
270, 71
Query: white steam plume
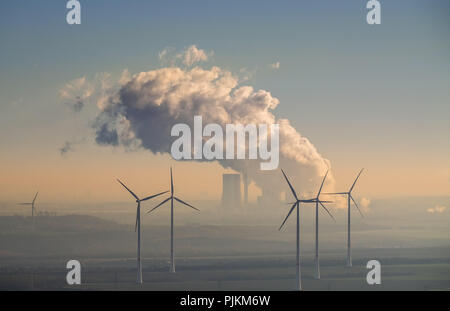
139, 111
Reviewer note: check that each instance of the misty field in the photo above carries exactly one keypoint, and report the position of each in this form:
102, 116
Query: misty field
229, 274
220, 257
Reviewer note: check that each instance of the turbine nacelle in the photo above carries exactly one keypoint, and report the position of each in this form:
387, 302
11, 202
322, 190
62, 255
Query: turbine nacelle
172, 197
138, 201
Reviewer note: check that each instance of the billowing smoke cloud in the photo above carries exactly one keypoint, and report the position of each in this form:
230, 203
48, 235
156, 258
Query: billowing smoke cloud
76, 105
78, 93
190, 56
140, 111
194, 55
75, 93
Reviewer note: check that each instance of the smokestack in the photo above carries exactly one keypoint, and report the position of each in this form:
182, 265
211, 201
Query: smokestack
231, 191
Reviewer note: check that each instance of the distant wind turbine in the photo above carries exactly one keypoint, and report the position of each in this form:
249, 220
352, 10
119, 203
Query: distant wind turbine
137, 227
171, 198
349, 196
296, 205
32, 207
318, 201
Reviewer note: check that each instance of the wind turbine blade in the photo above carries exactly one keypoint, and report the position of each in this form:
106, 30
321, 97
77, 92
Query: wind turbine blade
290, 186
355, 180
314, 201
356, 206
326, 193
159, 205
182, 202
327, 210
292, 208
137, 212
153, 196
308, 200
320, 189
35, 196
171, 181
132, 193
24, 203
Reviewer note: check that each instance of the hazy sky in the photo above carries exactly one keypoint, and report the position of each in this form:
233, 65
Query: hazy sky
366, 96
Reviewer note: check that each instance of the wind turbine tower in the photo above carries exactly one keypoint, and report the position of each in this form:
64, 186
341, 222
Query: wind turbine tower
318, 201
171, 198
349, 197
137, 227
296, 205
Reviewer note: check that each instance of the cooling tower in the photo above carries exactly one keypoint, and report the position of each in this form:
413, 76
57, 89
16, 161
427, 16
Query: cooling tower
231, 190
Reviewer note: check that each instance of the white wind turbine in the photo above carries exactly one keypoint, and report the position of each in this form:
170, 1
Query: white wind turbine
32, 208
296, 205
318, 201
171, 198
349, 197
138, 227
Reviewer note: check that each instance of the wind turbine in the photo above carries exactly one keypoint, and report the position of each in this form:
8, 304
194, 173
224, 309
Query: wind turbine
318, 201
296, 206
171, 198
349, 196
32, 207
137, 227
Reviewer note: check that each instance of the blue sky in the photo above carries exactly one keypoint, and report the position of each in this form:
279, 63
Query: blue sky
380, 91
